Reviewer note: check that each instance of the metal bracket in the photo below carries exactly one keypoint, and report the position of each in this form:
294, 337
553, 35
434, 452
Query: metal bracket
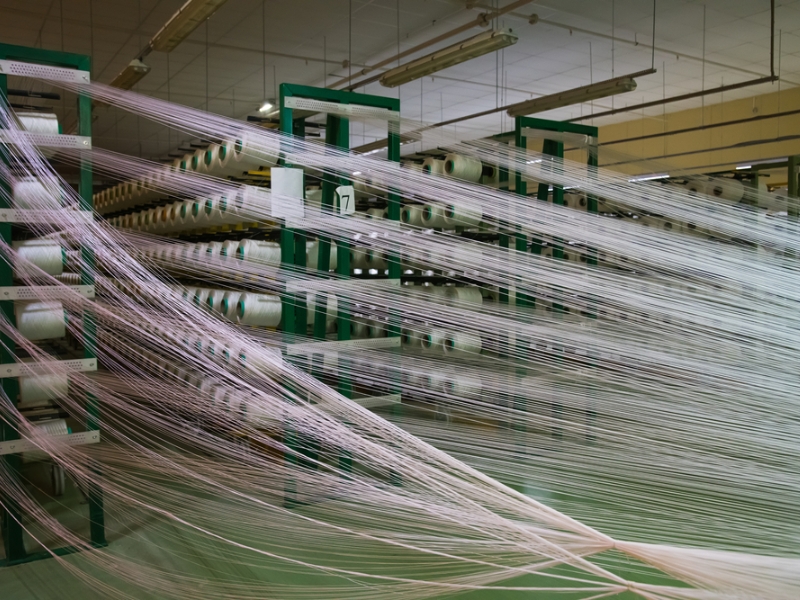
72, 439
336, 346
21, 215
344, 110
51, 291
376, 401
37, 71
333, 286
43, 368
48, 140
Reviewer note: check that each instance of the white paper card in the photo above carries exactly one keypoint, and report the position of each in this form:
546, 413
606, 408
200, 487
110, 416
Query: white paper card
287, 193
347, 199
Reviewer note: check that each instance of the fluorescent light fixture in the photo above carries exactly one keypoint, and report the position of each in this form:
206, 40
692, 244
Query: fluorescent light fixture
743, 167
266, 106
602, 89
356, 172
483, 43
188, 18
130, 75
649, 177
533, 162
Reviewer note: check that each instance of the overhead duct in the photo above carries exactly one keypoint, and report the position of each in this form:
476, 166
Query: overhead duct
188, 18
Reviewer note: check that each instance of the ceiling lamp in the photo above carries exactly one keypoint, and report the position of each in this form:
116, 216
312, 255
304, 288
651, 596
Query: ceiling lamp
595, 91
130, 75
481, 44
188, 18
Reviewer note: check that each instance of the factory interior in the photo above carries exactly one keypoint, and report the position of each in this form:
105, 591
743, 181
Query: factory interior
399, 299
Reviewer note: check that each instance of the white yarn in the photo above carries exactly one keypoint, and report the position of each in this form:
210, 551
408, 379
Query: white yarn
463, 167
40, 320
433, 166
31, 193
267, 253
260, 310
45, 254
38, 390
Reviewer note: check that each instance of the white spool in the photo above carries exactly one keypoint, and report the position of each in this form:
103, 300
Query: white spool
37, 391
433, 338
214, 301
410, 338
312, 255
214, 249
358, 257
229, 304
198, 217
375, 259
456, 342
377, 213
196, 162
359, 328
261, 310
265, 253
463, 167
56, 427
40, 320
184, 216
36, 122
433, 166
461, 385
463, 296
435, 291
229, 248
211, 161
433, 215
248, 153
47, 255
376, 329
30, 193
460, 217
214, 216
201, 297
728, 190
575, 201
411, 215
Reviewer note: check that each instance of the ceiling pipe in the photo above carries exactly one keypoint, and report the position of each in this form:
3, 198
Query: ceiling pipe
482, 20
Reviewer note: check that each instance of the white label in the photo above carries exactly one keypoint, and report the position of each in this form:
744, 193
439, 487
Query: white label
347, 199
287, 193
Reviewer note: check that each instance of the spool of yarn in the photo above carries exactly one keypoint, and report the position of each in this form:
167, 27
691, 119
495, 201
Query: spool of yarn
460, 217
374, 259
436, 291
36, 122
376, 329
433, 166
460, 342
411, 215
198, 216
196, 162
575, 201
214, 215
312, 255
40, 320
36, 391
463, 167
359, 328
46, 255
461, 385
229, 248
410, 338
261, 310
358, 257
463, 296
433, 338
377, 213
211, 161
229, 304
433, 215
266, 253
200, 298
729, 190
249, 153
214, 301
54, 428
31, 193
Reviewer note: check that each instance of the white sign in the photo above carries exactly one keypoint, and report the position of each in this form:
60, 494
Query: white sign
287, 193
347, 199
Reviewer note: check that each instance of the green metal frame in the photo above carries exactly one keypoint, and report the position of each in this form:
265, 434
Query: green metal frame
553, 148
12, 530
293, 251
293, 242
